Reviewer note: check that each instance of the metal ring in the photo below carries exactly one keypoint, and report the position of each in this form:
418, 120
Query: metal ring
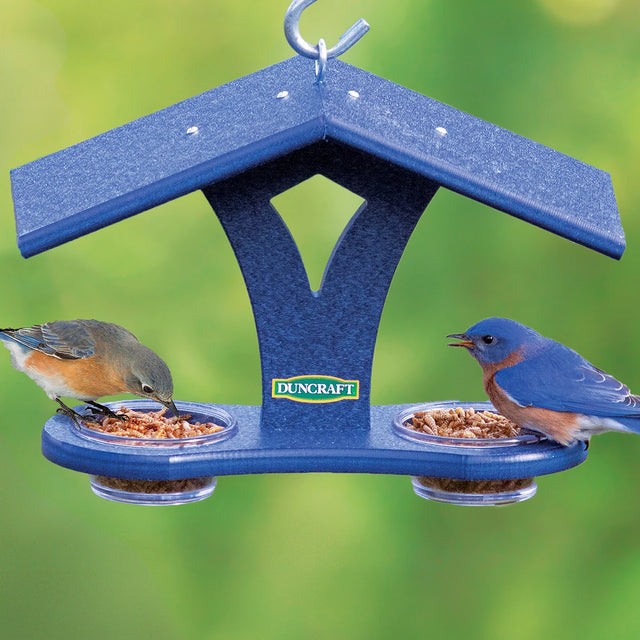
301, 46
321, 62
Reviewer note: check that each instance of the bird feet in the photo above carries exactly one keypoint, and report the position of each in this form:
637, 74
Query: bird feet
69, 412
95, 408
100, 408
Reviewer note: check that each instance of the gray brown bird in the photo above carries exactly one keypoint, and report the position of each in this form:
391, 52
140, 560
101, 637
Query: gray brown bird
88, 359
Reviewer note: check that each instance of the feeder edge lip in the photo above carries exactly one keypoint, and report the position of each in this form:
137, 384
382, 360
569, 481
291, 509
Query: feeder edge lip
211, 413
527, 438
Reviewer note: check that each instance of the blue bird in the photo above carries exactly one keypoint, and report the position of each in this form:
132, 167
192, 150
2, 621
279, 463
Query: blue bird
540, 384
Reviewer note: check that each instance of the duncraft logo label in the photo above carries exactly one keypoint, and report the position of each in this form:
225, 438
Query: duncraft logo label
315, 389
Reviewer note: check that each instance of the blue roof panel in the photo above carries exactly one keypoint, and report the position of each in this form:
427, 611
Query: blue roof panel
475, 158
249, 121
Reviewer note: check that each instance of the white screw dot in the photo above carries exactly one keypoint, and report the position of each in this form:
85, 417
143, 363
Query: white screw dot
441, 131
354, 94
283, 94
192, 131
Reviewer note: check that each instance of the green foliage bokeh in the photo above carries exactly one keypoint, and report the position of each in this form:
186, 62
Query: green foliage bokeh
323, 556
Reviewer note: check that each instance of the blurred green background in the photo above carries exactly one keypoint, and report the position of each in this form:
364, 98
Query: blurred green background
323, 556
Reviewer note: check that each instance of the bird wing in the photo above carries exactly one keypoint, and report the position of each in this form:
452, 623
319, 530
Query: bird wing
562, 380
68, 340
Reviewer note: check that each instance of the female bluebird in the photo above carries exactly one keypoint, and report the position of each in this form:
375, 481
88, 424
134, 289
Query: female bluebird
540, 384
88, 359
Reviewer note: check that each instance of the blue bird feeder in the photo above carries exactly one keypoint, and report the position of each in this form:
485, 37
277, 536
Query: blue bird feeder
244, 143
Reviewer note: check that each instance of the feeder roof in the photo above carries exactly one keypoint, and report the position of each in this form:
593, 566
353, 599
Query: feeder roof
272, 112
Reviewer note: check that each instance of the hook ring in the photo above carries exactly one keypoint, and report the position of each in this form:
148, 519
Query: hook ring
321, 61
300, 45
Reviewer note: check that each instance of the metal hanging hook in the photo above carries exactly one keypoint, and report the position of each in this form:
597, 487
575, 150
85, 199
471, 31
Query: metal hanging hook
299, 44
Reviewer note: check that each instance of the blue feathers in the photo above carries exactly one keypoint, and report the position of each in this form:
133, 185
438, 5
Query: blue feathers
560, 379
67, 340
535, 371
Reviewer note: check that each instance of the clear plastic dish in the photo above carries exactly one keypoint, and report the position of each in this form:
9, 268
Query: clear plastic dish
199, 413
161, 492
476, 493
464, 491
153, 492
401, 428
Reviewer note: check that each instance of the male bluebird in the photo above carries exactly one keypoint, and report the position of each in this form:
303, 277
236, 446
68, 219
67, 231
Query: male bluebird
88, 359
540, 384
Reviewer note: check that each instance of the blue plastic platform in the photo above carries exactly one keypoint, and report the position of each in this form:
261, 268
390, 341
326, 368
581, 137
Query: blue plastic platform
339, 449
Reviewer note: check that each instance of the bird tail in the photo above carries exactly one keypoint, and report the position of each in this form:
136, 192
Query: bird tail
5, 334
16, 336
631, 424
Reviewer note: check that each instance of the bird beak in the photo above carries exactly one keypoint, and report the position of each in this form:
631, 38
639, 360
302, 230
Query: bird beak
460, 336
170, 405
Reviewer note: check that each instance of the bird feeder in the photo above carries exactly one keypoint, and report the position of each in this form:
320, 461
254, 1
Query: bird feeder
242, 144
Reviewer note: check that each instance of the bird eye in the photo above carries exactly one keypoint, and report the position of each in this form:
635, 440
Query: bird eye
487, 339
147, 389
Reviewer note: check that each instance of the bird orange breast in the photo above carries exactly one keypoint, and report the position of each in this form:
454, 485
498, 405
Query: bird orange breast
560, 425
87, 376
